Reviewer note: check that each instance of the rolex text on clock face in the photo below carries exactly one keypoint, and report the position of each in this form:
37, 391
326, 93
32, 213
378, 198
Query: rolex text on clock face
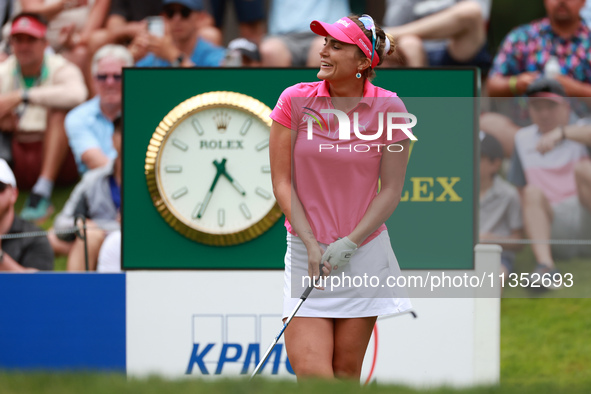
213, 170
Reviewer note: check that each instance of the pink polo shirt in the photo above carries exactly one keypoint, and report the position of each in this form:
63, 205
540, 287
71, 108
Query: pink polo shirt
337, 179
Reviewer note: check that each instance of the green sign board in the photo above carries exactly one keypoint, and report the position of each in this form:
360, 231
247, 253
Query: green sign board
434, 226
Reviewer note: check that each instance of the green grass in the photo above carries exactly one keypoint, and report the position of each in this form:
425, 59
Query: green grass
546, 337
546, 341
113, 384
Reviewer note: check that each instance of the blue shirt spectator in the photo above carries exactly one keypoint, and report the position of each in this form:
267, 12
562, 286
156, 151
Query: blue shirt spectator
178, 44
204, 55
586, 12
87, 128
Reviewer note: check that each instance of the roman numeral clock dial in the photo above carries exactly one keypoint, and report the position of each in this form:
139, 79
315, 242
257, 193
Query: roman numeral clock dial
207, 169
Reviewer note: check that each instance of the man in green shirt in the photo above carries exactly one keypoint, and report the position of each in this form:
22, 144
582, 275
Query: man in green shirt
36, 91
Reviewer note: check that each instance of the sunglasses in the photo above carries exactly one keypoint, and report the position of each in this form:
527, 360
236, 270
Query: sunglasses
170, 12
20, 38
370, 25
104, 77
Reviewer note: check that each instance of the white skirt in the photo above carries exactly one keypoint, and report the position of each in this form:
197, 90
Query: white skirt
362, 288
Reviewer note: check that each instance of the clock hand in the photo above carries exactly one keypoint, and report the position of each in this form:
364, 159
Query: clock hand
236, 185
220, 169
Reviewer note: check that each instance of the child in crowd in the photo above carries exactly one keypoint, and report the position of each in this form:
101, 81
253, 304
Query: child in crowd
500, 207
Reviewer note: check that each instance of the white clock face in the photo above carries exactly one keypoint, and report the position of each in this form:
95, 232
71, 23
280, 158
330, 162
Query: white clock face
213, 170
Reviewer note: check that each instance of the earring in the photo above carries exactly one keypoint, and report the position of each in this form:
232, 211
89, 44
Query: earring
358, 75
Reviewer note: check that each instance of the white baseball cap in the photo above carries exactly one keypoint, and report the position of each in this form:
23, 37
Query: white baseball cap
6, 174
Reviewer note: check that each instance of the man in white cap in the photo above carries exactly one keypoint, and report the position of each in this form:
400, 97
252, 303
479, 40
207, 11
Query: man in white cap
19, 254
242, 53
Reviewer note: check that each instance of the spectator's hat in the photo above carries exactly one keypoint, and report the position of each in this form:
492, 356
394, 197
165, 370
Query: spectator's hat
490, 147
29, 24
245, 47
547, 88
6, 174
195, 5
347, 31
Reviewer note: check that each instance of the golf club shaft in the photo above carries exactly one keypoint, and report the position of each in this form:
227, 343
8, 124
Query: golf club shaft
270, 349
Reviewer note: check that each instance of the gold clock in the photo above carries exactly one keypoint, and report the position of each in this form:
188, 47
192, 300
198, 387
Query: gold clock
208, 172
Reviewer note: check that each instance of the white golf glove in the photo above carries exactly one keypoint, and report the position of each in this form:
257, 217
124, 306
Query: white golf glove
339, 253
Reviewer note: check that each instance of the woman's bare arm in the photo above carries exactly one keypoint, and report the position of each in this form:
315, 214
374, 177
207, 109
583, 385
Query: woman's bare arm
47, 11
281, 143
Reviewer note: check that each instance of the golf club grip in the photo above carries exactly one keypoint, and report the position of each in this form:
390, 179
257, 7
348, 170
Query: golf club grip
307, 292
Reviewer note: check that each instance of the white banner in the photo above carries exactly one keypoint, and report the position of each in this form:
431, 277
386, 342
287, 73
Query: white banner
219, 323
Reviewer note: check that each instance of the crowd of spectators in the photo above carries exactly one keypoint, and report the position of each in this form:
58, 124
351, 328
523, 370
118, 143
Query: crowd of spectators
542, 73
60, 104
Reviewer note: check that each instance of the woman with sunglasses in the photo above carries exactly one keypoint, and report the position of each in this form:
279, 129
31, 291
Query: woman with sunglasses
328, 189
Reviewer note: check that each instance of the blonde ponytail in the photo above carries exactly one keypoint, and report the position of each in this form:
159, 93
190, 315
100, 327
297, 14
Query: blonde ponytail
392, 47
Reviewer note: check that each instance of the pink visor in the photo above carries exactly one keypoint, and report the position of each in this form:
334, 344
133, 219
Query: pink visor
347, 31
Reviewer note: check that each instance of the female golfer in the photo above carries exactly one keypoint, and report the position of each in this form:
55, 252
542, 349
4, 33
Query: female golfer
327, 186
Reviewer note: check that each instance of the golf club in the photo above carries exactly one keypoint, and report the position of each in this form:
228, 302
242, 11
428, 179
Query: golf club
305, 295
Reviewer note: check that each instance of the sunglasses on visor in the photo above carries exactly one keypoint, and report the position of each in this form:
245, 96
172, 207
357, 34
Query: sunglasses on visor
369, 24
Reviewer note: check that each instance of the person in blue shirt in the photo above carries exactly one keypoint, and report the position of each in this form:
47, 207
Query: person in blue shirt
586, 12
89, 126
180, 46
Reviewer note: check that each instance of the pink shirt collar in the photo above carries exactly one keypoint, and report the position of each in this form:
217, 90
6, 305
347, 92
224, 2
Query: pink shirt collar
369, 92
